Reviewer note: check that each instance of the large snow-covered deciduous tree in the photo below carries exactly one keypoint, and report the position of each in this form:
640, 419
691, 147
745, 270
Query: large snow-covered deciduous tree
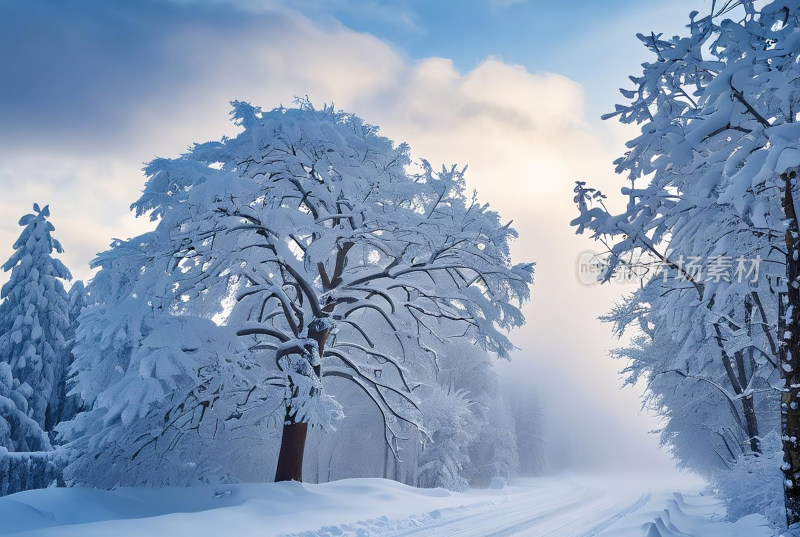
327, 252
713, 175
35, 323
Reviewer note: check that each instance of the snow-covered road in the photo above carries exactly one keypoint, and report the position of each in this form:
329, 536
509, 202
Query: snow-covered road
546, 507
567, 508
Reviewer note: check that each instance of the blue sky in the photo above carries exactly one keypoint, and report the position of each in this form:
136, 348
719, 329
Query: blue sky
90, 90
537, 34
584, 40
527, 33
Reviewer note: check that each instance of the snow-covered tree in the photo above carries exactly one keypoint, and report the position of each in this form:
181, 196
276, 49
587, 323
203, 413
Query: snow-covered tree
18, 431
314, 239
754, 482
453, 426
34, 318
78, 299
495, 453
718, 404
122, 437
492, 448
194, 384
713, 176
523, 405
112, 322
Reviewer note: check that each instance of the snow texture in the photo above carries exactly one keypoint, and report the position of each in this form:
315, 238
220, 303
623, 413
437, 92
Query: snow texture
565, 506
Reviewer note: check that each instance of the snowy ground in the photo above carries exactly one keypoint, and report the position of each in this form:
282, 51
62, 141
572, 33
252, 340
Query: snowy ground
557, 507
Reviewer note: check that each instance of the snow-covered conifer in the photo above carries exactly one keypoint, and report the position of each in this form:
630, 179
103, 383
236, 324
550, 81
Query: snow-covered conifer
78, 299
34, 317
18, 432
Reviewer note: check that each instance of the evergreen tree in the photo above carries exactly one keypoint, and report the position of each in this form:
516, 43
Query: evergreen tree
71, 405
18, 432
34, 318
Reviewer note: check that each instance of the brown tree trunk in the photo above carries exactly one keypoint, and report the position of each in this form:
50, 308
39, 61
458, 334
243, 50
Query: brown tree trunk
293, 441
293, 446
789, 366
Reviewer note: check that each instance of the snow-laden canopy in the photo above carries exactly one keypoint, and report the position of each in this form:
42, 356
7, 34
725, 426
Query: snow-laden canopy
319, 243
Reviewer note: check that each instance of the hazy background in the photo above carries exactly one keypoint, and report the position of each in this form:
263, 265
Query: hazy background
90, 90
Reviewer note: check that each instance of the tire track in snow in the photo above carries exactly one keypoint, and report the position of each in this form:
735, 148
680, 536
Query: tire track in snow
571, 510
483, 522
587, 520
634, 507
470, 519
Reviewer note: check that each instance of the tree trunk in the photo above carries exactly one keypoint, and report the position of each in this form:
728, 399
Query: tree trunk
293, 446
739, 385
789, 356
293, 441
386, 461
751, 422
748, 401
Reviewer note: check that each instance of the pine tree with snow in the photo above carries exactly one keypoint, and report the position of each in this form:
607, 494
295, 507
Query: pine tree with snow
34, 318
71, 404
18, 432
78, 299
